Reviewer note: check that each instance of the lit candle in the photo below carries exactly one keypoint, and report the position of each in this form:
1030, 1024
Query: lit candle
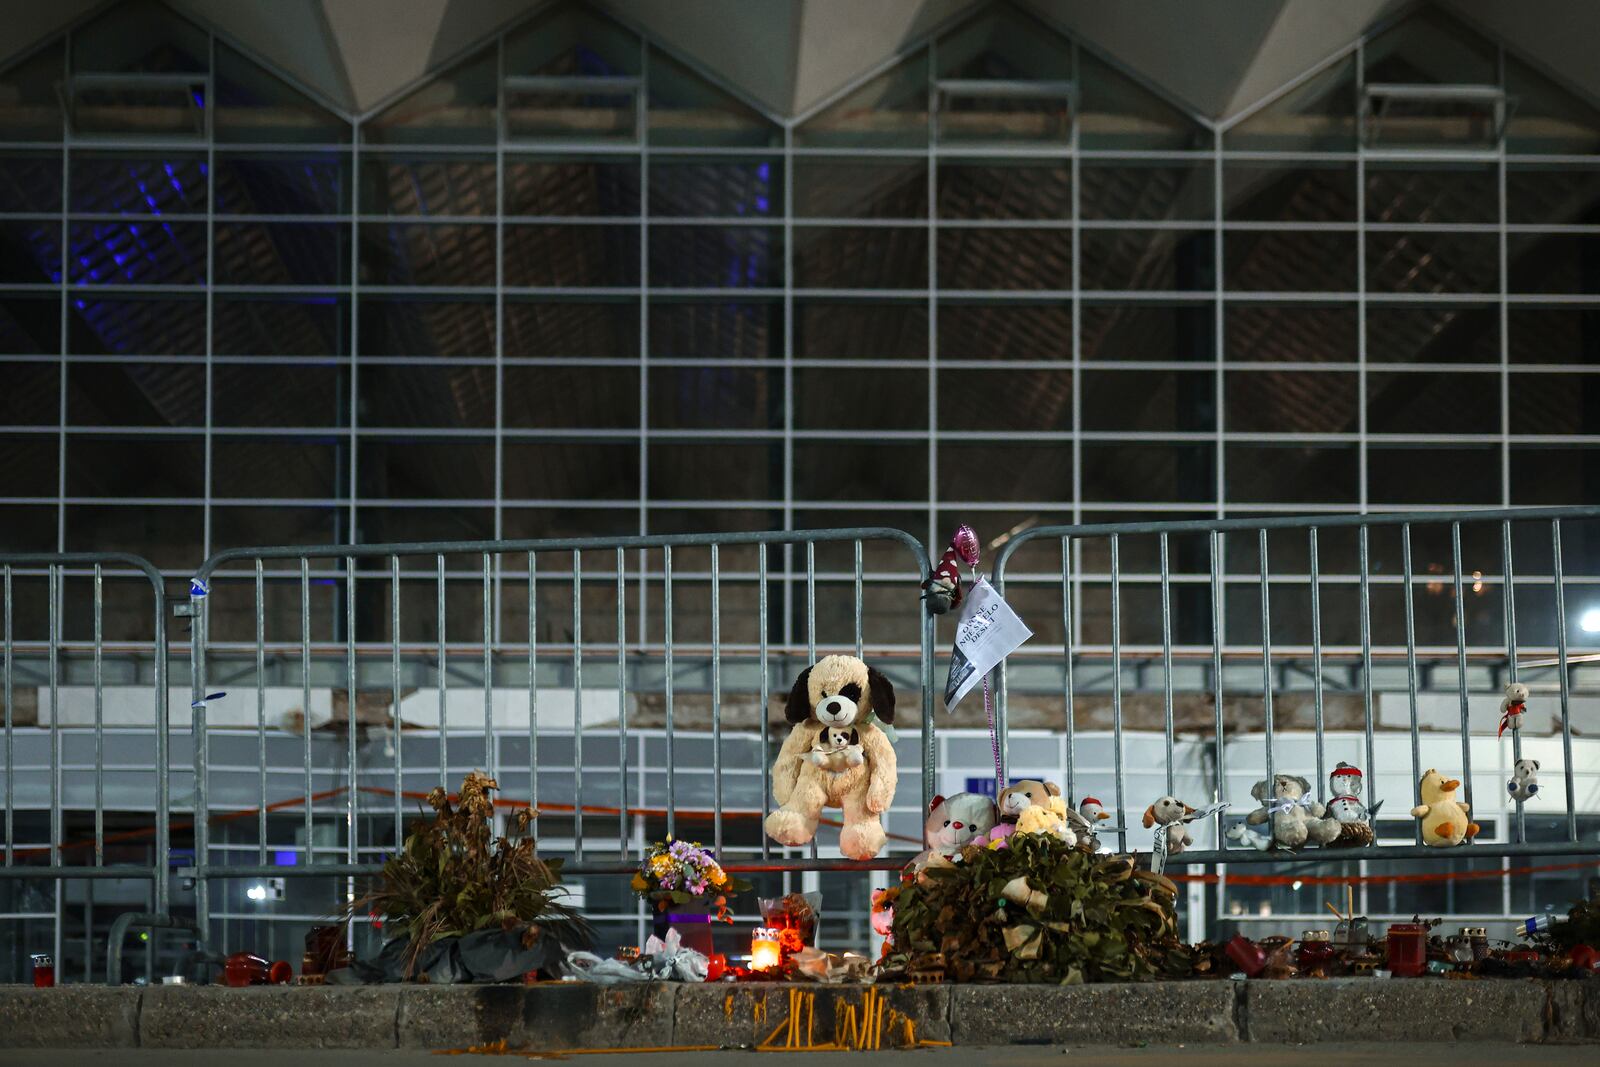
764, 954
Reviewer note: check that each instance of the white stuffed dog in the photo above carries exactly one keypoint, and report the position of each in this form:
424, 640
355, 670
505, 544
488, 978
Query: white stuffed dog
1524, 784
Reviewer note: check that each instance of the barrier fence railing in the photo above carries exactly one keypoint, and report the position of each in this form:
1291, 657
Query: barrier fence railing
1249, 574
54, 571
497, 568
374, 619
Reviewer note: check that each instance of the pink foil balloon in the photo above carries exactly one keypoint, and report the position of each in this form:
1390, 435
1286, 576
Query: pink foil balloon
965, 542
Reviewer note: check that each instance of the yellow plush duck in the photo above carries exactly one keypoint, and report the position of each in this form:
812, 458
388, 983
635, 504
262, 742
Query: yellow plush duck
1444, 818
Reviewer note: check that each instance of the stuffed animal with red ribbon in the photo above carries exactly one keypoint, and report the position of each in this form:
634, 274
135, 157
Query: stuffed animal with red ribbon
942, 590
1513, 707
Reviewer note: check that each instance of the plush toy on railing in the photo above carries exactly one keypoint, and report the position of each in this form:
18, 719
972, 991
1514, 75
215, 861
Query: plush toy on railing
1524, 784
843, 693
1354, 817
1171, 816
953, 823
942, 590
1021, 798
1295, 819
1094, 813
1444, 818
1512, 707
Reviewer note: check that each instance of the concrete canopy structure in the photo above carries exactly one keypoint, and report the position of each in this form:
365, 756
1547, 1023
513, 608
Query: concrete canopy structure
1219, 59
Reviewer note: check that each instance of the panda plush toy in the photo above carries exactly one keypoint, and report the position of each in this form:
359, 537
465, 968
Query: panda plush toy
1524, 784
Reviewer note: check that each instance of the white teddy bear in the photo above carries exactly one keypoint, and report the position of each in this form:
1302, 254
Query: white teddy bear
1524, 784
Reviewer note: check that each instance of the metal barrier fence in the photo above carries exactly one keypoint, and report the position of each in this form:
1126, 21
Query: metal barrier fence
367, 642
490, 575
1221, 580
17, 570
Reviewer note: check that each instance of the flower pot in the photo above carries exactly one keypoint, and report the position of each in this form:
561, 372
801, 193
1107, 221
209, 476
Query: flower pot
692, 920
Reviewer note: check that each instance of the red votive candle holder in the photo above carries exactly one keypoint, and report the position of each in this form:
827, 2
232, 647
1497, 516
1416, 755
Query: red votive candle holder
1246, 955
44, 971
1407, 949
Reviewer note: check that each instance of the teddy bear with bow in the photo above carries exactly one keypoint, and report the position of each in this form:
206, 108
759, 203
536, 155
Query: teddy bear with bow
839, 693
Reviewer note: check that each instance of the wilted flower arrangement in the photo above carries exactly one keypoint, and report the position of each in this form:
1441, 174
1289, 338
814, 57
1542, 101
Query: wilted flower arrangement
677, 872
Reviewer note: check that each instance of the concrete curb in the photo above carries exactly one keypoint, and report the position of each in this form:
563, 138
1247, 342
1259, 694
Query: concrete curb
558, 1017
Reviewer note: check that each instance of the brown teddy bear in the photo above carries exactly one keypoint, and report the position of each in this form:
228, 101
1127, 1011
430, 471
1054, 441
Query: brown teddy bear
837, 692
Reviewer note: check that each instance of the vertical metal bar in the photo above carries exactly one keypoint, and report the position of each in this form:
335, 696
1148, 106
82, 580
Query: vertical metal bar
489, 743
716, 701
352, 796
764, 712
1461, 663
199, 618
305, 694
533, 687
1561, 666
858, 598
394, 698
1266, 660
622, 705
1066, 677
930, 739
11, 777
261, 716
1411, 662
577, 706
55, 723
439, 636
672, 762
1363, 550
1216, 679
1316, 658
1116, 690
811, 602
99, 729
162, 718
1166, 655
1509, 593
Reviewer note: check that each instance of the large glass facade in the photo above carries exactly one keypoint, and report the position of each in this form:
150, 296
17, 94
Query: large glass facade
569, 285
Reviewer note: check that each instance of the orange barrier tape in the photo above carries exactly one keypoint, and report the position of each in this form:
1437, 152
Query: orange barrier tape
1379, 879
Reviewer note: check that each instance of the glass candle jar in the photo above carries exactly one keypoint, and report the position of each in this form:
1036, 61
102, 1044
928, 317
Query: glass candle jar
1478, 938
1407, 949
764, 951
44, 971
1316, 950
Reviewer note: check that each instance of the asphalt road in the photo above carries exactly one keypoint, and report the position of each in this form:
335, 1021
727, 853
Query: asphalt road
1387, 1055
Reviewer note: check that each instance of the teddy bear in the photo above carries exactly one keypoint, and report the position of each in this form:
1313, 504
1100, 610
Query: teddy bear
1013, 800
953, 822
1512, 707
837, 750
1296, 819
1524, 784
840, 692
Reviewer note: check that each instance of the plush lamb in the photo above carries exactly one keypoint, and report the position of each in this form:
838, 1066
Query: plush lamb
1524, 784
836, 750
841, 692
1296, 819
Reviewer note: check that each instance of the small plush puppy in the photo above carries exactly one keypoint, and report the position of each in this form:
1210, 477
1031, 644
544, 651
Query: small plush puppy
837, 749
1524, 784
1171, 813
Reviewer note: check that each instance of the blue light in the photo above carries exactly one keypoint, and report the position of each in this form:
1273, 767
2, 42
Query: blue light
284, 857
762, 203
764, 171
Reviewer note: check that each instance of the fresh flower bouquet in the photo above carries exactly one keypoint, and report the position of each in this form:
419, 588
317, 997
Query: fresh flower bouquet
679, 872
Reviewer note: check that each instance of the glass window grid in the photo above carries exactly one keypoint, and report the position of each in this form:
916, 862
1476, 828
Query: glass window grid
786, 223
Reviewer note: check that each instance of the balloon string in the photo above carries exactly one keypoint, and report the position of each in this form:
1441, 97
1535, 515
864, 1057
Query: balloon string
994, 739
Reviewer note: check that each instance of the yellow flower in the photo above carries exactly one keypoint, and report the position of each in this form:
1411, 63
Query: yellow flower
640, 884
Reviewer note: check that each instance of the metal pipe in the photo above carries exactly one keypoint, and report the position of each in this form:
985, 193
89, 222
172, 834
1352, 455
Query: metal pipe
99, 733
1218, 589
1411, 662
305, 700
764, 712
672, 761
533, 686
1116, 691
577, 703
1461, 666
352, 795
398, 726
1366, 667
444, 711
1266, 665
1566, 679
490, 756
147, 920
1509, 605
1066, 678
1316, 660
716, 702
1166, 658
261, 713
622, 703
